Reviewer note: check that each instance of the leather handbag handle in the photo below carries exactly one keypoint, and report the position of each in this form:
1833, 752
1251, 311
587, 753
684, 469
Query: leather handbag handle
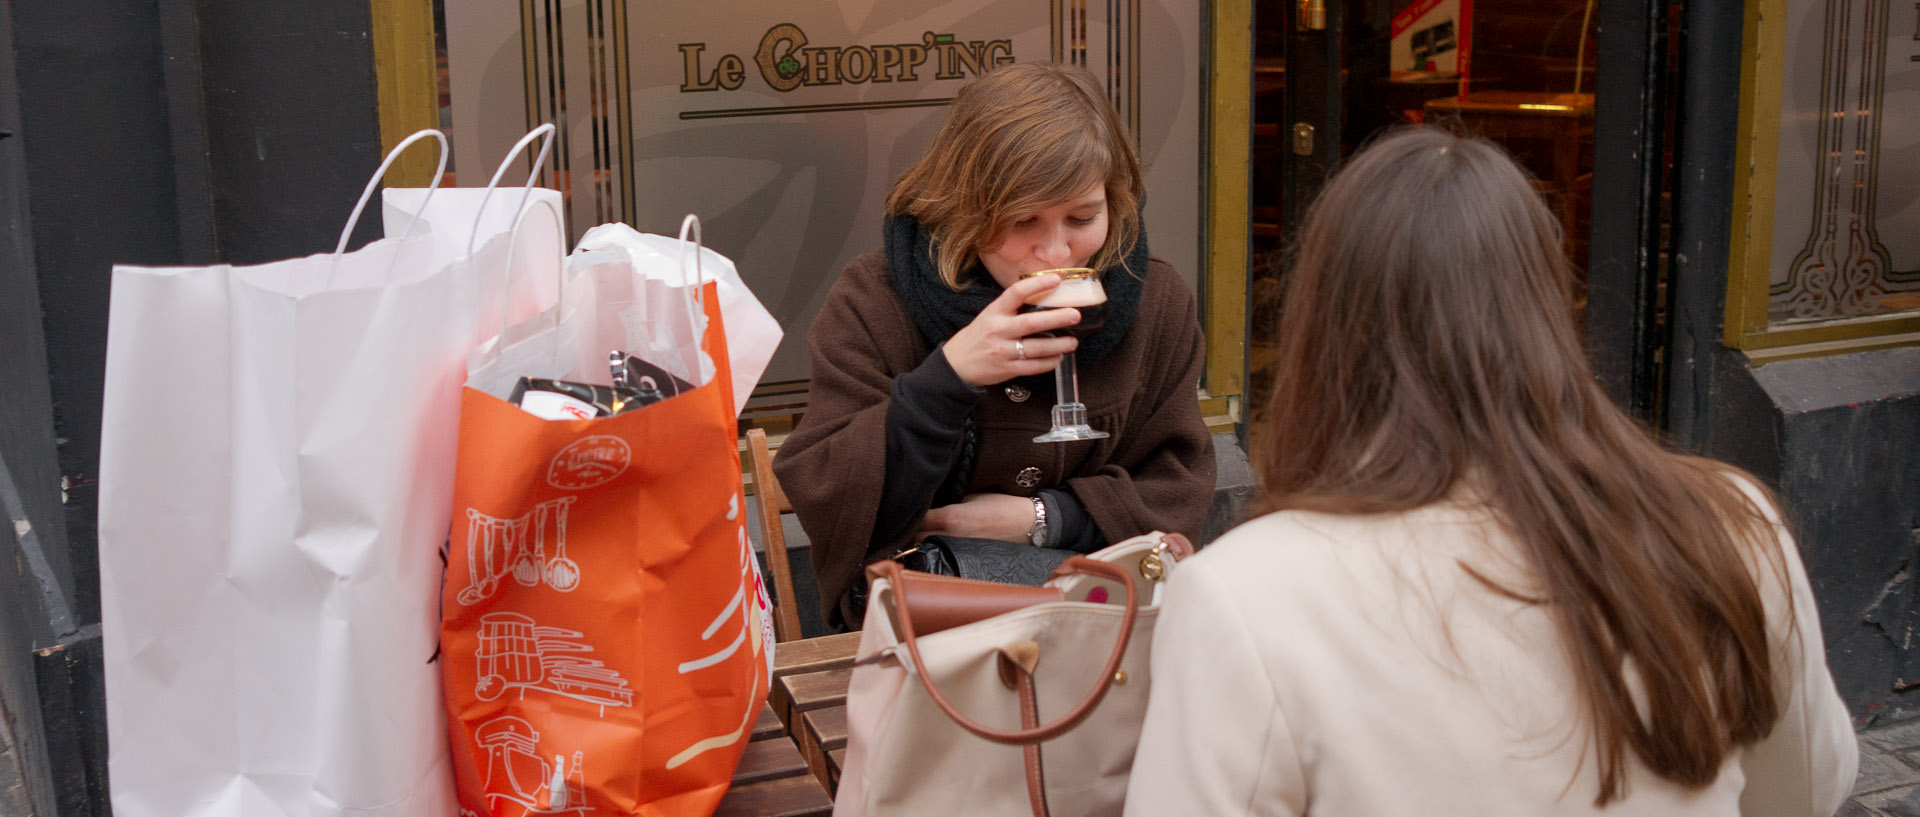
1077, 564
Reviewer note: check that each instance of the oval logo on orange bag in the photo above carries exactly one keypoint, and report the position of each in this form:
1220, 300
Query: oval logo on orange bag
588, 462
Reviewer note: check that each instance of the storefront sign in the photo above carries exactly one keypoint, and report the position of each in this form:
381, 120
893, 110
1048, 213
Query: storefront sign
785, 61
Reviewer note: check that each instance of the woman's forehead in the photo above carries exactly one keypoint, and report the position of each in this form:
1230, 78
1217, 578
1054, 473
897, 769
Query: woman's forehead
1093, 195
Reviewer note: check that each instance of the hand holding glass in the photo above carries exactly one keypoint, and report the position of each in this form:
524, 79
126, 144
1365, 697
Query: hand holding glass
1080, 289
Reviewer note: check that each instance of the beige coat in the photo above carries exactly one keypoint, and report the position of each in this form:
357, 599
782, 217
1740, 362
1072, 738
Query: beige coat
1345, 665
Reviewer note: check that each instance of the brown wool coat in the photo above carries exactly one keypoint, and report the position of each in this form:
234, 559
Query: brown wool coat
1155, 473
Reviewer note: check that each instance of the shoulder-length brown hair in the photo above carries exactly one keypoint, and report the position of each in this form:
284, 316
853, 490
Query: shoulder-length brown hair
1020, 138
1427, 337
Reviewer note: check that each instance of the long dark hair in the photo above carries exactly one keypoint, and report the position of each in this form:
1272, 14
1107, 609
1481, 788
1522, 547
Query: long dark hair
1428, 339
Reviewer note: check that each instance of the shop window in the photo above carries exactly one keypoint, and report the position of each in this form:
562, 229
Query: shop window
1826, 244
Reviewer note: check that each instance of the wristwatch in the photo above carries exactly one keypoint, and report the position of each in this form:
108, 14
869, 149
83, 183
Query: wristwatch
1037, 535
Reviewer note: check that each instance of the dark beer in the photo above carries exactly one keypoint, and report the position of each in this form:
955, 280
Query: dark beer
1082, 293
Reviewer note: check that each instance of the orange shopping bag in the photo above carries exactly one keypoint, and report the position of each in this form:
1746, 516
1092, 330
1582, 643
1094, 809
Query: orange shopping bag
601, 646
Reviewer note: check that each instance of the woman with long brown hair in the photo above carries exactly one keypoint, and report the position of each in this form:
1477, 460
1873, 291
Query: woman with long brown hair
1481, 588
929, 383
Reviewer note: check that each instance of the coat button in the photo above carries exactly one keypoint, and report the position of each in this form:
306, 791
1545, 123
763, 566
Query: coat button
1028, 477
1018, 394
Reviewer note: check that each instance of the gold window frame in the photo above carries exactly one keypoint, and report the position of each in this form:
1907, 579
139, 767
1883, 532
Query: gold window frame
1228, 152
407, 74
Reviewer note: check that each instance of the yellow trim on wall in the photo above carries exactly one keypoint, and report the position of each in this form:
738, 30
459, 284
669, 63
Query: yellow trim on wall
407, 74
1750, 256
1866, 343
1755, 155
1229, 169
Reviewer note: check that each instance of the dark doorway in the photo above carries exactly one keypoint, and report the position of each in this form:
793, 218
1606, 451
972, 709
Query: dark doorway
1331, 74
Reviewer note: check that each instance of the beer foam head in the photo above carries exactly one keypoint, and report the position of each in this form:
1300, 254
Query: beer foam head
1075, 292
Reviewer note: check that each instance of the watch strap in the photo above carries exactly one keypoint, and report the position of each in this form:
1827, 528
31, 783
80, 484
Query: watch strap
1037, 535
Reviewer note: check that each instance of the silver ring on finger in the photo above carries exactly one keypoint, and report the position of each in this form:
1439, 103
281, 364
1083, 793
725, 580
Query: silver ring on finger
1019, 350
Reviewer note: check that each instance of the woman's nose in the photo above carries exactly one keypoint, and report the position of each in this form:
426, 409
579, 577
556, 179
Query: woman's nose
1052, 248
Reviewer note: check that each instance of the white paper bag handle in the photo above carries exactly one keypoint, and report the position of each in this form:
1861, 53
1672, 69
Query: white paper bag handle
374, 183
696, 302
539, 163
506, 274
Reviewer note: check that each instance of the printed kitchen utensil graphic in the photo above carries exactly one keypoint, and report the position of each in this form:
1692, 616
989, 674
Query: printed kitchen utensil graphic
520, 782
517, 653
498, 547
563, 574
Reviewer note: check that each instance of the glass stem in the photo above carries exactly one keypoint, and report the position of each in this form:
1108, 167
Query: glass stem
1069, 414
1066, 381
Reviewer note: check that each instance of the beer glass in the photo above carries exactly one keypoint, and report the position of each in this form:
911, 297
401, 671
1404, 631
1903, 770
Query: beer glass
1079, 288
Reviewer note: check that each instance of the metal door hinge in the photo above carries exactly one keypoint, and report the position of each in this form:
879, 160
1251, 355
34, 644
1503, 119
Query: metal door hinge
1312, 15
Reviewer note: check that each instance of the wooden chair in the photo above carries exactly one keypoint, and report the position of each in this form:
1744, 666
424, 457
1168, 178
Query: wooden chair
772, 502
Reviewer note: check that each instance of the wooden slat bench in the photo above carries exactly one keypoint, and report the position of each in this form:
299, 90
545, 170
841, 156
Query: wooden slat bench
810, 693
773, 778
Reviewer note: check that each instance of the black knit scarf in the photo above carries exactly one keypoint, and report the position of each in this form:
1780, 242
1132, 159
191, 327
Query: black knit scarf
939, 311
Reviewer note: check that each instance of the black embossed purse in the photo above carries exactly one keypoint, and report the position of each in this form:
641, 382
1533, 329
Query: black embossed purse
988, 560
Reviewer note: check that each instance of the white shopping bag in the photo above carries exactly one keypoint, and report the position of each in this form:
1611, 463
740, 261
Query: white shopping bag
276, 477
660, 292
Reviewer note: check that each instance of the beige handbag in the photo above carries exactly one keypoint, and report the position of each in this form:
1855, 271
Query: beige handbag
976, 698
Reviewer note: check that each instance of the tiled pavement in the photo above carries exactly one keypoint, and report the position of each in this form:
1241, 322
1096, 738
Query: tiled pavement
1889, 781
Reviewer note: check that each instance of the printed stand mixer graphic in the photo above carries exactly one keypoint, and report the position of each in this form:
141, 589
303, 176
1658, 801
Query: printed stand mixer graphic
519, 782
499, 547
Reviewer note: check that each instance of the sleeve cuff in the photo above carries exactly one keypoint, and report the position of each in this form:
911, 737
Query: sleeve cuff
1068, 523
937, 393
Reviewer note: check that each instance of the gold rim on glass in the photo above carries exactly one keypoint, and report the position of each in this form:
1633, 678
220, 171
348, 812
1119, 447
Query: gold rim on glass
1065, 273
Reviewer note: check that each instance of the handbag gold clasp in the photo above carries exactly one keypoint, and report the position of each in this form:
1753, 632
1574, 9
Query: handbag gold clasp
1153, 566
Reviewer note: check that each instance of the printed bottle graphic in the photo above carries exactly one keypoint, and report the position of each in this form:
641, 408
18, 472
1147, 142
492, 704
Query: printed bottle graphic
497, 548
519, 783
517, 653
557, 785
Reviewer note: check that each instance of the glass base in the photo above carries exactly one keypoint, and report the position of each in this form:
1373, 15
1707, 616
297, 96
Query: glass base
1071, 433
1069, 424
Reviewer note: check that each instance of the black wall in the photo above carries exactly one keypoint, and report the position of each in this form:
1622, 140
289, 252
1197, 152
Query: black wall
1848, 433
170, 132
29, 480
1631, 98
